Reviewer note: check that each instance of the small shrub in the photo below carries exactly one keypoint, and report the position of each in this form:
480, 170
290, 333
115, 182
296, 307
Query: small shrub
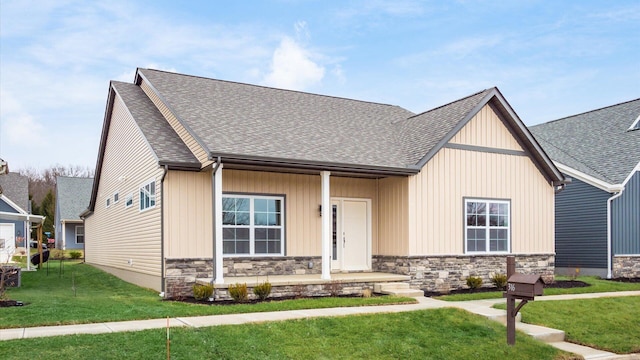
500, 281
57, 254
263, 290
202, 291
366, 293
474, 282
239, 292
75, 254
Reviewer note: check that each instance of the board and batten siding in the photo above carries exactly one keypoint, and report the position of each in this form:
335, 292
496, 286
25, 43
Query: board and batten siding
118, 239
436, 195
302, 201
186, 137
188, 216
581, 226
393, 218
625, 219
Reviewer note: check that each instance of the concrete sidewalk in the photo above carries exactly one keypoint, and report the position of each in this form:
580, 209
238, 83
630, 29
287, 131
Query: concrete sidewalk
481, 307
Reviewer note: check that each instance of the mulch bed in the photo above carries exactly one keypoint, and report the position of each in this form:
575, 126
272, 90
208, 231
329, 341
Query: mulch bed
627, 280
9, 303
563, 284
192, 300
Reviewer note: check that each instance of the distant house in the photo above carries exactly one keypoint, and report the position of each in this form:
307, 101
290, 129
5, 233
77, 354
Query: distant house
598, 213
203, 178
72, 198
15, 216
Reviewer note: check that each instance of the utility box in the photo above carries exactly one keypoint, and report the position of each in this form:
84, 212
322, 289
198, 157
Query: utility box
525, 287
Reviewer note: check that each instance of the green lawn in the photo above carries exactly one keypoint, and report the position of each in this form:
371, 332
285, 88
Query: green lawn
84, 294
429, 334
597, 285
605, 323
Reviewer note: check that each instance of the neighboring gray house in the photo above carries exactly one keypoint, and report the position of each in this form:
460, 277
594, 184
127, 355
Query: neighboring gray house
598, 213
15, 217
72, 198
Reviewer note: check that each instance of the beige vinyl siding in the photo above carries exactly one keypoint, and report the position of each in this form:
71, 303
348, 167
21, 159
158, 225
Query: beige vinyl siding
436, 194
118, 237
188, 219
393, 217
486, 129
191, 143
302, 199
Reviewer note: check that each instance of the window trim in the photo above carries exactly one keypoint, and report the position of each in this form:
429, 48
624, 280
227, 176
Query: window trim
251, 227
76, 234
153, 197
488, 227
128, 199
108, 202
116, 197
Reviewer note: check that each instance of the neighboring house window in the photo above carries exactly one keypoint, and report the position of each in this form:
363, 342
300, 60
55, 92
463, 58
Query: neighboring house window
116, 197
128, 202
108, 202
148, 195
79, 234
487, 227
253, 225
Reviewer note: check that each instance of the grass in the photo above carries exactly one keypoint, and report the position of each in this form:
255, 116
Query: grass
597, 285
429, 334
84, 294
609, 324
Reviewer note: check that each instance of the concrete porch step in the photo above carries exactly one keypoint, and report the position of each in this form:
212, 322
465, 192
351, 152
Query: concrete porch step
397, 288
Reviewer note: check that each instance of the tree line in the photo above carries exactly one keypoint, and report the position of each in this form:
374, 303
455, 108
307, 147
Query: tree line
42, 189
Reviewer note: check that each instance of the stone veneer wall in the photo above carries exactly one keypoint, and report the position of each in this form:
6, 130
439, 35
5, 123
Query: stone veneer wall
626, 266
181, 274
445, 273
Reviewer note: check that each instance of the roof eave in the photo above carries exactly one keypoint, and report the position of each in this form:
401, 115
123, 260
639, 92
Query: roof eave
602, 185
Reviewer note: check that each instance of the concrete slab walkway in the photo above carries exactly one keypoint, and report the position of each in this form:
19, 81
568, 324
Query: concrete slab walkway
481, 307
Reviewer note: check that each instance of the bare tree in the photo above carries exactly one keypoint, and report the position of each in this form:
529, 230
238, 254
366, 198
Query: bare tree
43, 181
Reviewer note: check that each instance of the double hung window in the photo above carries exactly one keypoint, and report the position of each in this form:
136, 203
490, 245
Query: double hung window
253, 225
487, 226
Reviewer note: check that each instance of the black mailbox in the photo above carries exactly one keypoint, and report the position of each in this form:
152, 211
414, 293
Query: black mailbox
524, 287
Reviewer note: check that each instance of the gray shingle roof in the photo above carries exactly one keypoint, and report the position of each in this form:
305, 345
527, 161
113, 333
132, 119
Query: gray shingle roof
72, 195
16, 188
164, 141
250, 120
596, 143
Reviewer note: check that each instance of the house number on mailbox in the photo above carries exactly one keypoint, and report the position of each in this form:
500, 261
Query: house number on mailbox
511, 287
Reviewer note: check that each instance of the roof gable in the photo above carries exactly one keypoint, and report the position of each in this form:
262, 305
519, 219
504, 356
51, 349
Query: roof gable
72, 196
597, 143
16, 187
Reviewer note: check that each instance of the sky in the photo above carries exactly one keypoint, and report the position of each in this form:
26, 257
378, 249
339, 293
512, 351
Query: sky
550, 59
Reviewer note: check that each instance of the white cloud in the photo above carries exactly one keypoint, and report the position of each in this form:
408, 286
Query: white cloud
18, 126
292, 67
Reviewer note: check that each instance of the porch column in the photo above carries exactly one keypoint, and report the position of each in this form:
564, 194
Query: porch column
326, 225
217, 219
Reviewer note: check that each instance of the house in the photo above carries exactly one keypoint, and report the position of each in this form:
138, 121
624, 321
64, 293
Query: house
15, 215
221, 180
72, 198
598, 213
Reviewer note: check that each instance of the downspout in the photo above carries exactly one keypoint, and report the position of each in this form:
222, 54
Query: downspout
162, 260
213, 222
609, 240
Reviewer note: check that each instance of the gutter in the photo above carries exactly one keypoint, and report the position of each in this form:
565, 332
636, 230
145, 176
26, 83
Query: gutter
609, 239
213, 212
162, 266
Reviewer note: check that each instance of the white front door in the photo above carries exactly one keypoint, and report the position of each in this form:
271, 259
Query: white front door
351, 249
7, 242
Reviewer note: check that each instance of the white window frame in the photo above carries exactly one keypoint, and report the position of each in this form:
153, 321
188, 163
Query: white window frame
145, 191
76, 233
128, 201
116, 197
487, 227
108, 202
252, 226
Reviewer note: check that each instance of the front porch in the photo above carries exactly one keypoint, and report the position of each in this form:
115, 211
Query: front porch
340, 284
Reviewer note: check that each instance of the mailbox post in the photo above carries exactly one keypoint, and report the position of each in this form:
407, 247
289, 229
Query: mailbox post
522, 287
